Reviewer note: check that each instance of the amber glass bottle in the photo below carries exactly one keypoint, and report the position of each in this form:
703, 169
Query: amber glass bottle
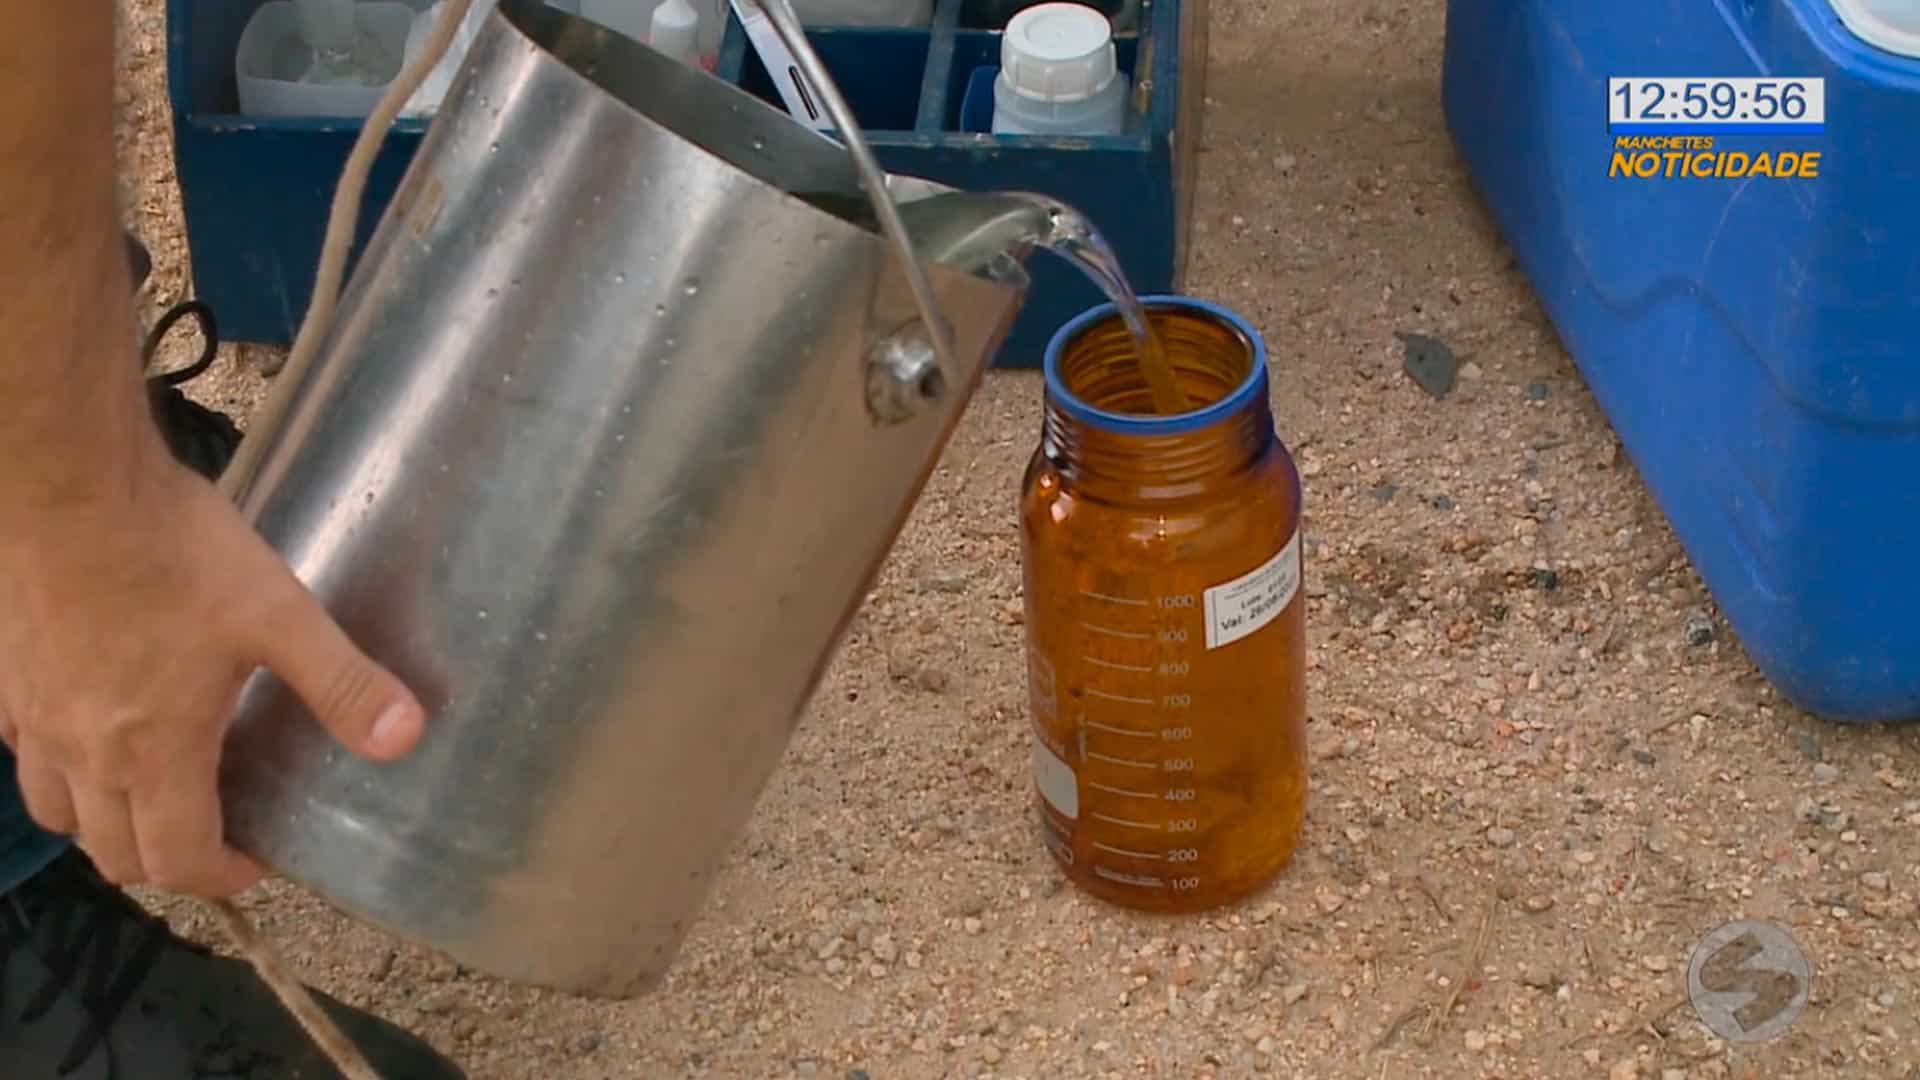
1166, 627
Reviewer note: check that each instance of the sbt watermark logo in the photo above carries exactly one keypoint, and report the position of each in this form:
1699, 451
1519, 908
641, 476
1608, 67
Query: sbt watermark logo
1715, 128
1749, 981
1645, 157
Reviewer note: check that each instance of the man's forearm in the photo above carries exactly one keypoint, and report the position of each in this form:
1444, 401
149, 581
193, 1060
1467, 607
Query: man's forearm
77, 427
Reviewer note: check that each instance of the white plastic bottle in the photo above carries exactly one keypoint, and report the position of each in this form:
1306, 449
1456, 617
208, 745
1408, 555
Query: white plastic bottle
676, 30
1059, 74
633, 18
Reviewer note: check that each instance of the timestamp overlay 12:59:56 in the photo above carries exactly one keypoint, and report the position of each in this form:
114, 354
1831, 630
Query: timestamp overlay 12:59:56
1706, 106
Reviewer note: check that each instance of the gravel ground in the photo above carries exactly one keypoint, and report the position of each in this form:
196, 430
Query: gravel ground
1543, 768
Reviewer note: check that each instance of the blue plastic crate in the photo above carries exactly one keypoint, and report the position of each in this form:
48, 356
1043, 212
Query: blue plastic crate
925, 101
1755, 342
256, 190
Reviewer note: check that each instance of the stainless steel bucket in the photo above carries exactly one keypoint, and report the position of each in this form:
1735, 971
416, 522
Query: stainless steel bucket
605, 445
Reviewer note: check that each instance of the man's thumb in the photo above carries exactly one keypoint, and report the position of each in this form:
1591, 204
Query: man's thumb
361, 703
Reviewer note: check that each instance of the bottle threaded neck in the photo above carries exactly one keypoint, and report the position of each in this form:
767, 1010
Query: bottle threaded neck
1099, 426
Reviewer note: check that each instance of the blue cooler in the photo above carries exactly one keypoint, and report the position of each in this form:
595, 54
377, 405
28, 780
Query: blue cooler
1754, 339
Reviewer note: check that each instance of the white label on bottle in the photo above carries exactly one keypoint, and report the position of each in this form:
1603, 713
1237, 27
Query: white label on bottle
1251, 601
1056, 781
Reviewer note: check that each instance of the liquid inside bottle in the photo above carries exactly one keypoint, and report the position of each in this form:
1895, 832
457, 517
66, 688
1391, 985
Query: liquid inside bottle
1165, 617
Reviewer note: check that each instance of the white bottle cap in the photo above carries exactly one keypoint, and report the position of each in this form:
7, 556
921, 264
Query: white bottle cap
675, 29
1058, 52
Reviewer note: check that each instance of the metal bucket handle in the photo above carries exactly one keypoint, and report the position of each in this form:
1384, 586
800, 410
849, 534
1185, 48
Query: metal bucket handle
905, 370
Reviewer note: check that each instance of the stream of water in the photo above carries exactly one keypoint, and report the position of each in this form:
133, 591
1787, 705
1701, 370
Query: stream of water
1074, 238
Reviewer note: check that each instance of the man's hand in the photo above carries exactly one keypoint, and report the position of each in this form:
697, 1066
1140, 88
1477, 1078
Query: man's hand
129, 625
134, 598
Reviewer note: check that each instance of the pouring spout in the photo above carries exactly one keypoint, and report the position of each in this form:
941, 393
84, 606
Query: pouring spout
989, 234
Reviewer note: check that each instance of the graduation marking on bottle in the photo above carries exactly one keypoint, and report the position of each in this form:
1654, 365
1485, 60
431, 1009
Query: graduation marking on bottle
1113, 665
1111, 730
1125, 699
1125, 823
1130, 763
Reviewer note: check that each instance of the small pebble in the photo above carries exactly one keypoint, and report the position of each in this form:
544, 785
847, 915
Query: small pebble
1810, 746
1699, 629
1429, 363
948, 583
1536, 391
1826, 773
1500, 836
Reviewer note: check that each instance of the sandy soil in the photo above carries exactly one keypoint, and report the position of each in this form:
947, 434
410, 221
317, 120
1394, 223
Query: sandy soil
1530, 802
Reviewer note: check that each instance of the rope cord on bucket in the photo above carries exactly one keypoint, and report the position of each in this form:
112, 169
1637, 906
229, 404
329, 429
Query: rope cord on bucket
345, 213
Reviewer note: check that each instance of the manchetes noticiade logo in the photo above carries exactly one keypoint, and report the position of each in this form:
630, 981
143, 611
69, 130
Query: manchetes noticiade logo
1705, 128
